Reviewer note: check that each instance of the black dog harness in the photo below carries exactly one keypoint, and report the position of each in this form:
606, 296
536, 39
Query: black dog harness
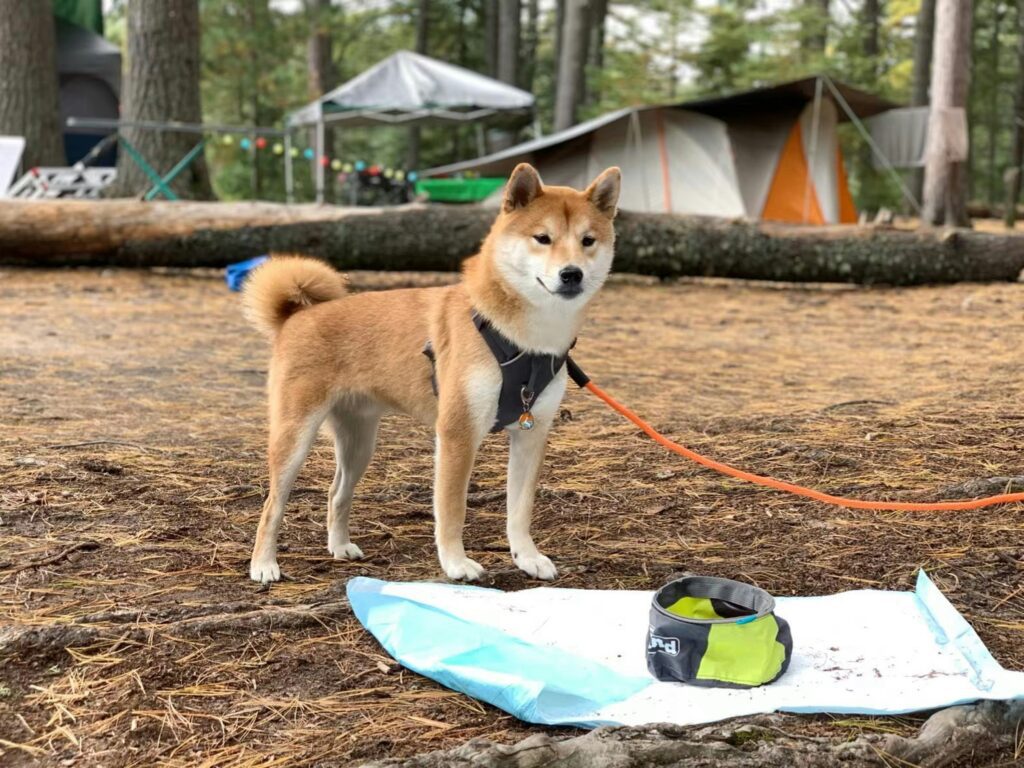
523, 375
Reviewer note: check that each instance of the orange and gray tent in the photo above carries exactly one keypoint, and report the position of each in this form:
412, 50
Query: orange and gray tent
769, 153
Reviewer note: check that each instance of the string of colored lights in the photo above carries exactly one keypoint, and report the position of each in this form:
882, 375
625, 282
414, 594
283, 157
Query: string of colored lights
336, 164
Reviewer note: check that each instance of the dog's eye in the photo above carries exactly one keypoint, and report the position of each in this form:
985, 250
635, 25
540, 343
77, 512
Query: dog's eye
542, 239
587, 241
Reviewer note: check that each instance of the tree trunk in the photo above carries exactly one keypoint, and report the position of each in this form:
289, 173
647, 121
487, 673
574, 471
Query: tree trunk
256, 13
923, 36
870, 13
1017, 153
531, 39
426, 238
944, 193
598, 22
162, 84
559, 31
976, 734
571, 63
412, 158
491, 16
993, 105
320, 55
321, 75
28, 81
815, 32
508, 41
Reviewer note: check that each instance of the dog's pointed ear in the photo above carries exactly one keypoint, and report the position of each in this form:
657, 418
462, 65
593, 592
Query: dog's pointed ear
524, 186
603, 191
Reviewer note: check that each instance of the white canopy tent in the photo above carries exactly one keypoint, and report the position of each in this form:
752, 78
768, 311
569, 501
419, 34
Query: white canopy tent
408, 89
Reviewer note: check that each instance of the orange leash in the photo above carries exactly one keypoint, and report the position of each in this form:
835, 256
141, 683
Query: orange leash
768, 482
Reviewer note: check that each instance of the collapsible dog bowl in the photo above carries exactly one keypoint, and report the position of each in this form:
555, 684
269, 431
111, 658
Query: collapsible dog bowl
716, 632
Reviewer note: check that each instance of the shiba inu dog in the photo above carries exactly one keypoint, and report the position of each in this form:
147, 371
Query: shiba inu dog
486, 354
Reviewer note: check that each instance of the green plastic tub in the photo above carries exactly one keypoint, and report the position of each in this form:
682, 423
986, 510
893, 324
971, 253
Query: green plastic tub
458, 190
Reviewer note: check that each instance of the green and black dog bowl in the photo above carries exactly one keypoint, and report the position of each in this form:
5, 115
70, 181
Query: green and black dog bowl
716, 632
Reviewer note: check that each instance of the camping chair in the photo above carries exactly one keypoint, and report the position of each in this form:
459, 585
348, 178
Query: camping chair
161, 183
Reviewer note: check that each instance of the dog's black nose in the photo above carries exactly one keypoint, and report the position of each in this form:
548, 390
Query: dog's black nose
571, 276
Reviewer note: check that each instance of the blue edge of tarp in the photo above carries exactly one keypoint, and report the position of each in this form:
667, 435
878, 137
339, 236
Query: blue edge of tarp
549, 686
235, 274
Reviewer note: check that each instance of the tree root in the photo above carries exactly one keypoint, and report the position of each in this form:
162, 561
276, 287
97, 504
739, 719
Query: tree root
986, 728
983, 486
86, 546
21, 641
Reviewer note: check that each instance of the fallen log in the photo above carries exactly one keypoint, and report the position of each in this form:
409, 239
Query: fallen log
965, 735
437, 238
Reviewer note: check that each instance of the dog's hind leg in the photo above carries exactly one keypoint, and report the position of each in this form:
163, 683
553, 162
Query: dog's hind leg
355, 435
291, 436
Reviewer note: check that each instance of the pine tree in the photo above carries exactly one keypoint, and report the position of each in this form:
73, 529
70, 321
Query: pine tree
28, 80
162, 85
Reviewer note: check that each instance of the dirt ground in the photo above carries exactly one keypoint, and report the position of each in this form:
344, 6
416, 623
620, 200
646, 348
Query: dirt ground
131, 475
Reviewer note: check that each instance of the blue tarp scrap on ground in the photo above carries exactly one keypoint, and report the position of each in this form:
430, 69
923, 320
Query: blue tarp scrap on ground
577, 657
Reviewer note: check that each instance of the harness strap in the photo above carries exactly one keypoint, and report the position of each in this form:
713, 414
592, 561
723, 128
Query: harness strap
524, 375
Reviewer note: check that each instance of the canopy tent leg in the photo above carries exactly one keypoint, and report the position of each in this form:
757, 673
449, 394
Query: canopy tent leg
289, 173
319, 161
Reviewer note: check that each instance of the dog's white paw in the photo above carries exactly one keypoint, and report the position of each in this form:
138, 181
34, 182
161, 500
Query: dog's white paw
463, 569
348, 551
264, 571
536, 565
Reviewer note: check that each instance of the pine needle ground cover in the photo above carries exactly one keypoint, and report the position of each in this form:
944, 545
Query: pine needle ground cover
132, 474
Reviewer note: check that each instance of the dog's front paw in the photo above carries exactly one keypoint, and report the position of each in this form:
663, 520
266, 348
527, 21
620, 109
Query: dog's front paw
264, 571
462, 569
536, 565
347, 551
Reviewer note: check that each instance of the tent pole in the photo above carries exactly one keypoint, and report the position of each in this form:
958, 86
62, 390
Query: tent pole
289, 178
538, 131
871, 143
318, 159
816, 122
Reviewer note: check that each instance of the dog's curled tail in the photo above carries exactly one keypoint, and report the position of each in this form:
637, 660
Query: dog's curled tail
285, 284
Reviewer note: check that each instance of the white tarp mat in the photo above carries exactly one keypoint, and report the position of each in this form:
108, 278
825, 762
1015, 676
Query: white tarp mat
577, 657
